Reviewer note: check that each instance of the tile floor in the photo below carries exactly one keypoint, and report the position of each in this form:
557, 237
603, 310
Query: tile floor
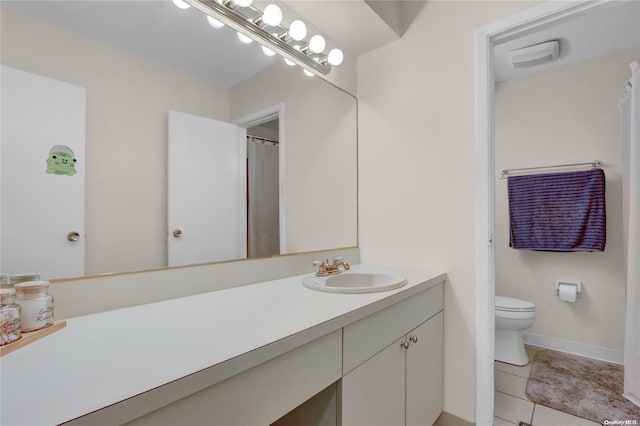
512, 406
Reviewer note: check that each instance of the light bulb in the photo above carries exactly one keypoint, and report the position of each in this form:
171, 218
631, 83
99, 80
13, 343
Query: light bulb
214, 22
243, 38
297, 30
290, 63
317, 44
272, 15
181, 4
307, 72
335, 57
243, 3
267, 51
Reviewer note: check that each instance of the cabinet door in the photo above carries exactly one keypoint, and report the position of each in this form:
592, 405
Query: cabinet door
374, 393
425, 373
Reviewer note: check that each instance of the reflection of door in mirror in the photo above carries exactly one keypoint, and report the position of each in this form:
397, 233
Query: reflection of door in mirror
43, 170
263, 190
206, 190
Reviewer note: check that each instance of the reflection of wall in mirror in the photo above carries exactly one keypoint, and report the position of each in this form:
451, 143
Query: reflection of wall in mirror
128, 98
320, 154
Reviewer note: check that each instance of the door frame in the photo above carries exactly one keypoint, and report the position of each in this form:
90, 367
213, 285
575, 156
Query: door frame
259, 117
486, 37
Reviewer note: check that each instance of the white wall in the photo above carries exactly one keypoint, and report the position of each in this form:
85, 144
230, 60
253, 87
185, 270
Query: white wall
320, 149
127, 103
417, 166
565, 115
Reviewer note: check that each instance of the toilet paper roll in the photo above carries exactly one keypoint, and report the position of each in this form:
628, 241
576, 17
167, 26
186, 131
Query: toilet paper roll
567, 293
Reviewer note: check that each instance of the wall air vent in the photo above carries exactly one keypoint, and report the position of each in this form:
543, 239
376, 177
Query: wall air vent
535, 55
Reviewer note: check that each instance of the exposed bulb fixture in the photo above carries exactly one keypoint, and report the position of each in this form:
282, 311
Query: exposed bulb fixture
335, 57
317, 44
267, 51
243, 38
181, 4
307, 72
214, 22
272, 15
253, 23
243, 3
297, 30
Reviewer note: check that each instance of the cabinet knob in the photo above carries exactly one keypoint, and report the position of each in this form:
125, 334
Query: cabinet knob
73, 236
177, 233
404, 345
414, 339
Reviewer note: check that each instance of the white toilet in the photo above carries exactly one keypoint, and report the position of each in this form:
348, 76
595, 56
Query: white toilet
512, 316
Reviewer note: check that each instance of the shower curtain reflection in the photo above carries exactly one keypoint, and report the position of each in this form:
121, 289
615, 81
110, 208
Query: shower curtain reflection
263, 215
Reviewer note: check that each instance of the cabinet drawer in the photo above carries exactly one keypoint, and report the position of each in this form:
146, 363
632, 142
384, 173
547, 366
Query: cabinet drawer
370, 335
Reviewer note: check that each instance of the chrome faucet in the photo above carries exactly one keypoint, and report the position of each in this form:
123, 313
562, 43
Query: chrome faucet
325, 268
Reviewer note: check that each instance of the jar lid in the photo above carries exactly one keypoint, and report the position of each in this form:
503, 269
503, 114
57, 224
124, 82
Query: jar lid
32, 285
4, 292
28, 276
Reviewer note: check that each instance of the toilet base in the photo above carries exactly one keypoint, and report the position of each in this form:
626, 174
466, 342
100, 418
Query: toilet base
509, 347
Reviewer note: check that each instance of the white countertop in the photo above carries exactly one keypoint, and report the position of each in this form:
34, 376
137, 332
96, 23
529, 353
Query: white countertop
101, 359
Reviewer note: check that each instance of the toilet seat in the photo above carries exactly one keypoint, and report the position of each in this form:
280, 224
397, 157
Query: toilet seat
509, 304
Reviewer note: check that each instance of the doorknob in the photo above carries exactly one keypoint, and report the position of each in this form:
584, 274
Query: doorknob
177, 233
73, 236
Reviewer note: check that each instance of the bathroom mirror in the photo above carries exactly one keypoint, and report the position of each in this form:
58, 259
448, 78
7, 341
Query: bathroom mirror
140, 61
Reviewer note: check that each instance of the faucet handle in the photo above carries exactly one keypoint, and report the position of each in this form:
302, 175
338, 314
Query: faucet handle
339, 259
317, 262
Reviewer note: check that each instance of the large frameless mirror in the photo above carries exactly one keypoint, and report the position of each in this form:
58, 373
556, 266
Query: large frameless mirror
135, 135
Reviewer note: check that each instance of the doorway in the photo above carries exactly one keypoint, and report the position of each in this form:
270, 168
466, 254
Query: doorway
266, 233
263, 192
488, 37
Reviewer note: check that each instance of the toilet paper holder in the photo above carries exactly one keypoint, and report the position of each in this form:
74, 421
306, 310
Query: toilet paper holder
577, 284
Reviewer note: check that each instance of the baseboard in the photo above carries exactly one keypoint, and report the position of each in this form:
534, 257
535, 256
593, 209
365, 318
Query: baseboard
568, 346
447, 419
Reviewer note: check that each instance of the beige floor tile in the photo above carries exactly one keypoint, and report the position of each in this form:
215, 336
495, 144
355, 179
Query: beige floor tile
545, 416
497, 421
513, 409
513, 369
510, 384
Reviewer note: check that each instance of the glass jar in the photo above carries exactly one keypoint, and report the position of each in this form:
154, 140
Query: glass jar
9, 317
36, 304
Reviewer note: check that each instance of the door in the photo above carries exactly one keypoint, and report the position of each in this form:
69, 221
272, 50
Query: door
424, 372
207, 210
374, 392
42, 175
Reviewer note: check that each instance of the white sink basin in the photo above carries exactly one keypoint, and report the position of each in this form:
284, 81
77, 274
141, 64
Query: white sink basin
354, 282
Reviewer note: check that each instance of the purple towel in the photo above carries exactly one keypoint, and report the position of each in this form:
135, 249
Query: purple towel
558, 211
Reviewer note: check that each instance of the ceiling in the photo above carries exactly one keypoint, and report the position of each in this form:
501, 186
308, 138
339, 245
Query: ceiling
613, 29
183, 39
159, 31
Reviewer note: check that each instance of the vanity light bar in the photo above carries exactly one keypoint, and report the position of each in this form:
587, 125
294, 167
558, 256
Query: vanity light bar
238, 22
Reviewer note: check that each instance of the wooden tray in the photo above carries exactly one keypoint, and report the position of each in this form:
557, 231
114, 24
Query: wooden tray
31, 336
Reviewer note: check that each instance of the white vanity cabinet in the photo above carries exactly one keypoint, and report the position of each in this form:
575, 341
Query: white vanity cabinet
393, 364
247, 356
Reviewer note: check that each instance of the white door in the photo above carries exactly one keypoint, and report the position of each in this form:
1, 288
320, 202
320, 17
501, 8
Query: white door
207, 210
42, 196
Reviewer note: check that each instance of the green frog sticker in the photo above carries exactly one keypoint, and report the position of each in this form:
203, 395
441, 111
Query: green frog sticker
61, 161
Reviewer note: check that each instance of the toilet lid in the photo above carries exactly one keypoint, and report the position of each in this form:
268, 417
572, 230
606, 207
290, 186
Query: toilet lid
510, 304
